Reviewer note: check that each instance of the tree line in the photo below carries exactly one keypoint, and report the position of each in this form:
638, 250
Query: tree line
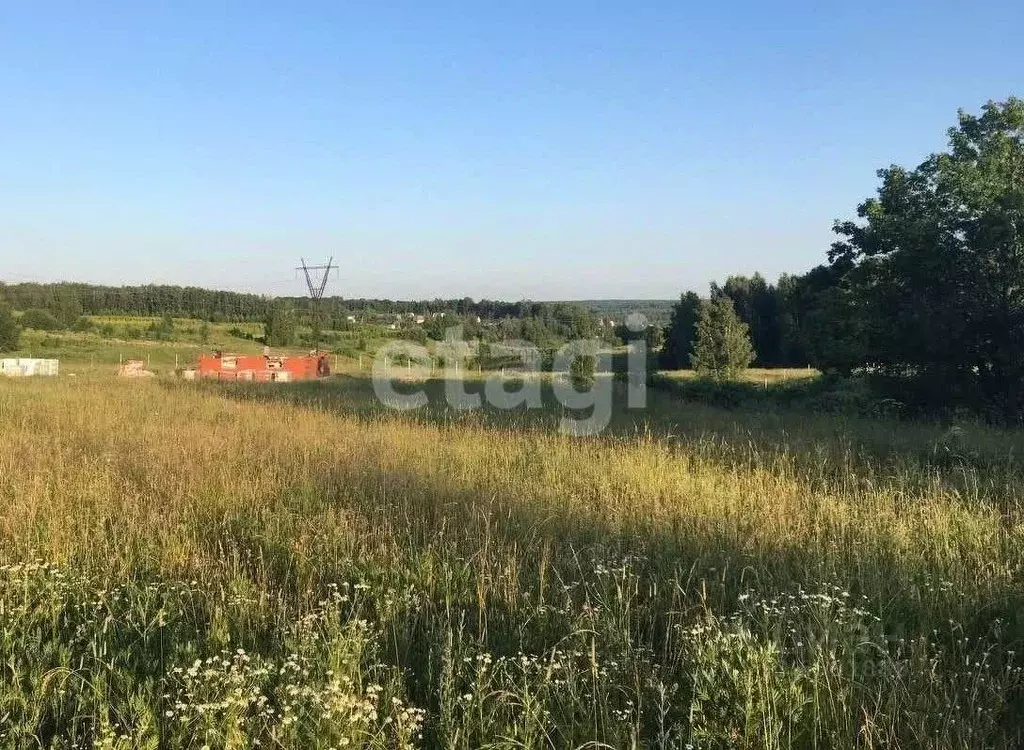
783, 320
68, 300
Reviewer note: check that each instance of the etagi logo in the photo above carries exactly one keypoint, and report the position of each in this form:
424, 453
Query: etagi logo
582, 389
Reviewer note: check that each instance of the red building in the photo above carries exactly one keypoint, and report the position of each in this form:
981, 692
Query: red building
262, 367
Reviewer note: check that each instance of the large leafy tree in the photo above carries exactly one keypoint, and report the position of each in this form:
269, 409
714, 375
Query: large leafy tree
723, 349
935, 269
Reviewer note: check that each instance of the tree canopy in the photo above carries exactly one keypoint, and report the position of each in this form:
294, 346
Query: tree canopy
932, 277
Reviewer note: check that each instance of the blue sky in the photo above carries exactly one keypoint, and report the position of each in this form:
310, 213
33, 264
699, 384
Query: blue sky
513, 150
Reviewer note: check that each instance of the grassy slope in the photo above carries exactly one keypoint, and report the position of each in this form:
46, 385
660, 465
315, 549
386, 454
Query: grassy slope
693, 576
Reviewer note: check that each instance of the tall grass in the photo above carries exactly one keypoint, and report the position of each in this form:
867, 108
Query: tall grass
254, 567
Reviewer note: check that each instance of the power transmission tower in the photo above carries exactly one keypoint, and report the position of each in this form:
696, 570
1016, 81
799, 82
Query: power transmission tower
316, 292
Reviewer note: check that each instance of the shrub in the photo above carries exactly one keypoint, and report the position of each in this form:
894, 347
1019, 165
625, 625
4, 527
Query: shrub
238, 333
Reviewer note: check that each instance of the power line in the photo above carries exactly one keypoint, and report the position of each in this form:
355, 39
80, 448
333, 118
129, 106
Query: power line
316, 292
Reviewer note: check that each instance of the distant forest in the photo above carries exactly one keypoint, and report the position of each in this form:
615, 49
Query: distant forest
64, 305
239, 307
66, 298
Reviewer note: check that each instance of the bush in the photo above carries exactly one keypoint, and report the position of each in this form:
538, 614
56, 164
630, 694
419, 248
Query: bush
82, 325
416, 335
238, 333
829, 394
725, 394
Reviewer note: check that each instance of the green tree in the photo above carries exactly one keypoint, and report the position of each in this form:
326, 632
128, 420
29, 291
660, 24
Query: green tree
679, 336
66, 305
793, 305
39, 320
829, 321
723, 349
934, 272
757, 304
10, 333
279, 326
435, 327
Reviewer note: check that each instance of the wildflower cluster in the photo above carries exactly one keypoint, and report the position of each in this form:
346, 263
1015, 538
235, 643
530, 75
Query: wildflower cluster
327, 692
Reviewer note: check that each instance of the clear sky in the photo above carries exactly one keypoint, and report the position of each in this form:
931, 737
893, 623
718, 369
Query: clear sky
543, 150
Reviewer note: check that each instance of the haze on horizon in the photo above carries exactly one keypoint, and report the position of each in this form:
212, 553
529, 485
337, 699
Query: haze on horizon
509, 152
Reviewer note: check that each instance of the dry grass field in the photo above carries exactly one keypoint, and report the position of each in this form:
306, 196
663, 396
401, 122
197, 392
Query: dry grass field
187, 565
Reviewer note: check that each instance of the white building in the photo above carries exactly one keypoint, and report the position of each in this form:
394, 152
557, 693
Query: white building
23, 368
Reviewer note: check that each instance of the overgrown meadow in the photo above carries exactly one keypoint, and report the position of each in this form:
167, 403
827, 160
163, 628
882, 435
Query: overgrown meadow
186, 565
